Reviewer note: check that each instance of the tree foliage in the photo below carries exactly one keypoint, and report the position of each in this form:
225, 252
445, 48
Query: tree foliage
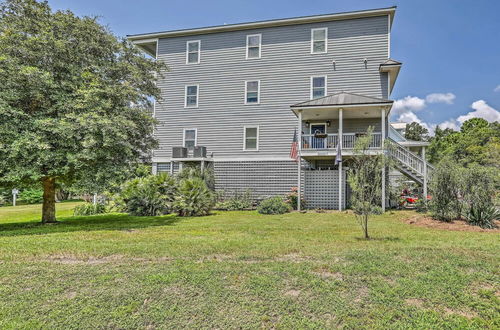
365, 180
74, 99
445, 188
416, 132
477, 142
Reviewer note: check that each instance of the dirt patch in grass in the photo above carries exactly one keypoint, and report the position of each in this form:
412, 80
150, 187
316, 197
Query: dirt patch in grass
422, 220
326, 274
93, 260
292, 293
414, 302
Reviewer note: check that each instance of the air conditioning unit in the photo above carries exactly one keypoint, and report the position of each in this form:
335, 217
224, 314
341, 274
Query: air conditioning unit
179, 152
200, 152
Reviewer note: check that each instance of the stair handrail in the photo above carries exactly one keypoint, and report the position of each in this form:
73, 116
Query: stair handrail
408, 158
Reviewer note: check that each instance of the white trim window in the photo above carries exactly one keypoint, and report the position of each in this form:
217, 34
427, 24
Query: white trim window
254, 45
319, 41
252, 92
251, 138
193, 52
318, 86
191, 96
189, 137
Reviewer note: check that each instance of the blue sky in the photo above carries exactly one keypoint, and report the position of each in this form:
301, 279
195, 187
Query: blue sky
450, 49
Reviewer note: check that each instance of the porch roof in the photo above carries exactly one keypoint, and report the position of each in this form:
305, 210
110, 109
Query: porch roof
341, 99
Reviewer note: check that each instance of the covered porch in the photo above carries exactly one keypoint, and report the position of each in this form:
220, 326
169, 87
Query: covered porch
331, 125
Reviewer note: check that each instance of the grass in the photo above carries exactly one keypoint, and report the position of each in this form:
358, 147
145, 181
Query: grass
242, 270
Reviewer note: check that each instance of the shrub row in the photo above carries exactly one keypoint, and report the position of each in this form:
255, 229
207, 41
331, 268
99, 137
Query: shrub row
153, 195
464, 192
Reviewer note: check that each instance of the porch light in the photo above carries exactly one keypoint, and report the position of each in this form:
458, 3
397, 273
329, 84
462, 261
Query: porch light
307, 124
328, 123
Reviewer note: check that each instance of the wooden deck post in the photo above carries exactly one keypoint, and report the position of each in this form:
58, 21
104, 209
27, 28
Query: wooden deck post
425, 174
340, 141
299, 165
383, 168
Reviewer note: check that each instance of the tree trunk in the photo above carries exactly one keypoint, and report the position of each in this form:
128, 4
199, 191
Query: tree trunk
49, 200
366, 227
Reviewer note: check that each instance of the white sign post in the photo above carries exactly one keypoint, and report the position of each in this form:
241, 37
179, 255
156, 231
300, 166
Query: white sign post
14, 196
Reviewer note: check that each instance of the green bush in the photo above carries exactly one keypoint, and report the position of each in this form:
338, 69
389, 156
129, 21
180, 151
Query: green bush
479, 189
194, 198
194, 171
273, 205
148, 196
89, 209
445, 190
240, 201
31, 196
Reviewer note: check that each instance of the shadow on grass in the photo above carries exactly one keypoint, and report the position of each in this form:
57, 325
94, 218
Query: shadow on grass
379, 239
114, 221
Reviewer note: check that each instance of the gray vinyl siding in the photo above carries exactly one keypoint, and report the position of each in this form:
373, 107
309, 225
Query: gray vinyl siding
284, 71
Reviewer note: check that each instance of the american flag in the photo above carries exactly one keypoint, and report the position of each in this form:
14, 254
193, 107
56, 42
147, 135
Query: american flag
294, 152
338, 157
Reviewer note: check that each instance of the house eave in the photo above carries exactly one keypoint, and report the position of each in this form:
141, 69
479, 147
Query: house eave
268, 23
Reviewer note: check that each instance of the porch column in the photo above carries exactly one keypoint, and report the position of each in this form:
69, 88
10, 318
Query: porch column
299, 152
154, 169
382, 112
425, 174
340, 142
171, 167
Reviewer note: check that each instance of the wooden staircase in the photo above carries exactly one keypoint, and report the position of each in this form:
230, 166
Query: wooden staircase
408, 162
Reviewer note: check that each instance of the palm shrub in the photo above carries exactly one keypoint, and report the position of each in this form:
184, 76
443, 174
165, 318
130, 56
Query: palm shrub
190, 172
148, 196
274, 205
194, 198
479, 188
445, 188
89, 209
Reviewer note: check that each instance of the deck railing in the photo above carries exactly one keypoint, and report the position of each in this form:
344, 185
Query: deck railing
310, 142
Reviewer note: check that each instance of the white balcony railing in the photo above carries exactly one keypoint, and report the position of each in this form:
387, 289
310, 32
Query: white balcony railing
310, 142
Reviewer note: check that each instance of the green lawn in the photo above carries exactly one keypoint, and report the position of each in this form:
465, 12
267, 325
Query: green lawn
242, 270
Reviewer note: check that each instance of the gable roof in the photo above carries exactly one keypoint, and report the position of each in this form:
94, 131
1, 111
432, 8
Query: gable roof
342, 98
391, 62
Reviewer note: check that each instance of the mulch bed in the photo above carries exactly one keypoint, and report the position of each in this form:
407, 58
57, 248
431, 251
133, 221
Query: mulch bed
423, 220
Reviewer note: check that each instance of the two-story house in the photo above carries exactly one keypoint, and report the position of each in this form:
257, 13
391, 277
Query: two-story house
247, 91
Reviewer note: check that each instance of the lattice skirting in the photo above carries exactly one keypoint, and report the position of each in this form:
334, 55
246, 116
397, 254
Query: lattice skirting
262, 178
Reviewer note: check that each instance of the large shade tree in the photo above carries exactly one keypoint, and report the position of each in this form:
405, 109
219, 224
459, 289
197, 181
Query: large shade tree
74, 99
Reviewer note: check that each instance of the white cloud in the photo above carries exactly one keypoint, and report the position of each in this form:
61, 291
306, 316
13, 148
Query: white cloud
409, 117
481, 110
447, 98
409, 103
497, 89
450, 123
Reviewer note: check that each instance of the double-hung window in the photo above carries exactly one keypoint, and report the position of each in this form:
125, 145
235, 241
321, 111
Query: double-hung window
193, 52
252, 92
318, 87
254, 43
319, 39
189, 138
251, 138
191, 98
